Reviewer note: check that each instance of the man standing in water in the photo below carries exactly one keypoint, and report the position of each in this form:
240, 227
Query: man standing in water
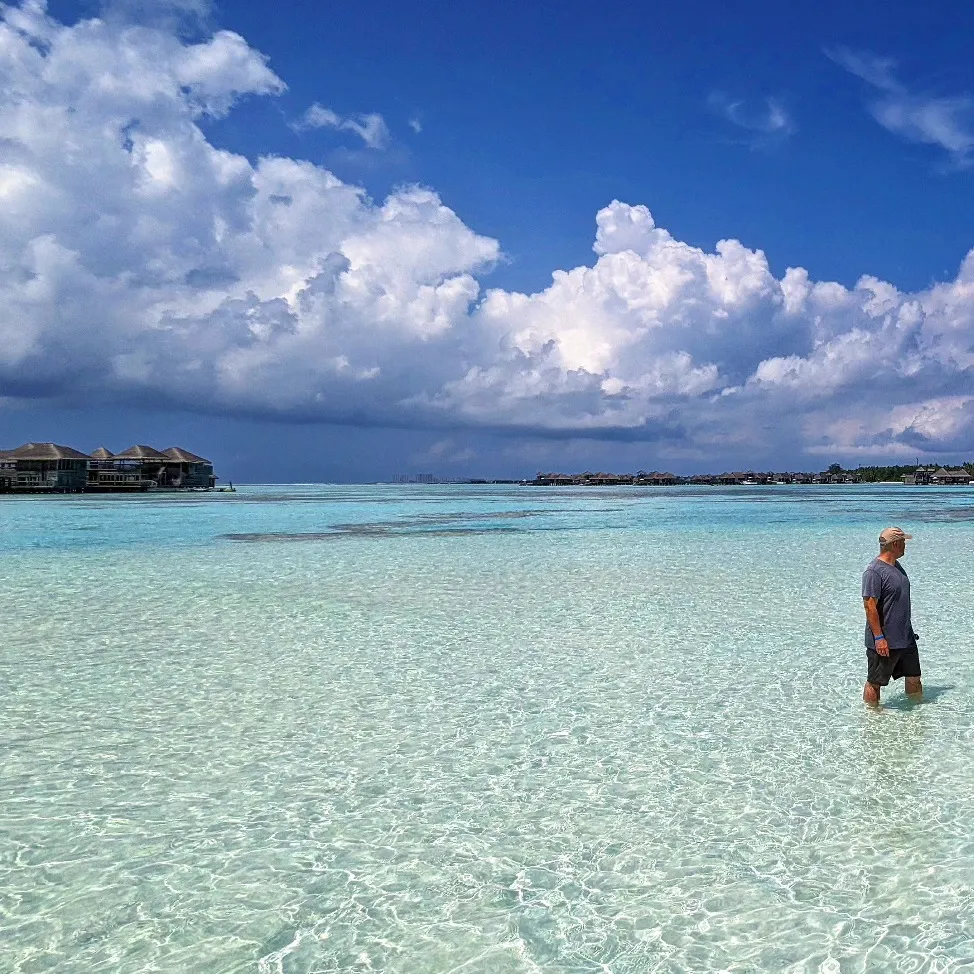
891, 643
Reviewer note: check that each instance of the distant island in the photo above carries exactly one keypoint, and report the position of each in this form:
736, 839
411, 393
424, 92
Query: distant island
53, 468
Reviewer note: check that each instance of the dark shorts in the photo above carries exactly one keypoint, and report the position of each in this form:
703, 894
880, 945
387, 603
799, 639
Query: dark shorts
900, 663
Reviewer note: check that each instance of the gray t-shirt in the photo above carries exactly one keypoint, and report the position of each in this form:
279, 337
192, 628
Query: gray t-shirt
890, 587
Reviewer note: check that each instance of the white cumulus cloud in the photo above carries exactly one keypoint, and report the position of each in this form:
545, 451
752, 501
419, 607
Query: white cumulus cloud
142, 264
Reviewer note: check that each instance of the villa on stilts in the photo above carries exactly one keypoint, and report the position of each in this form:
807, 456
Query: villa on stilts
57, 469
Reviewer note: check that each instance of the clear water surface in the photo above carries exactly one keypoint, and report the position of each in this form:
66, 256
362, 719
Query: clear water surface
479, 729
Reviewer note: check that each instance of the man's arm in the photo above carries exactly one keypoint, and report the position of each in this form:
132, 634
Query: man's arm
876, 627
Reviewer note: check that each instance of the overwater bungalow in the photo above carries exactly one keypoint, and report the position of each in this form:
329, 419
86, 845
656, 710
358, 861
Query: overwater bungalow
8, 470
950, 478
938, 477
145, 466
106, 473
603, 479
148, 462
656, 479
920, 477
185, 469
44, 467
553, 480
41, 467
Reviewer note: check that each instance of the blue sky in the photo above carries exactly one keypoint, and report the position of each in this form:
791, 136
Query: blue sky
438, 163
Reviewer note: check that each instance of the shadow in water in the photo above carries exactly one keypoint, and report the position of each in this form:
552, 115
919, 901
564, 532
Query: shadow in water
900, 701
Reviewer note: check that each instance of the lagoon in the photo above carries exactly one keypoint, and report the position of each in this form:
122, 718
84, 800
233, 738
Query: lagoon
482, 729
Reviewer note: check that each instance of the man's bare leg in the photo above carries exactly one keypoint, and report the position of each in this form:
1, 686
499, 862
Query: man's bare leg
870, 693
914, 688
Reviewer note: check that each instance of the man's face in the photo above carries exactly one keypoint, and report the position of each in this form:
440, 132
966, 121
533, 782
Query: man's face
898, 548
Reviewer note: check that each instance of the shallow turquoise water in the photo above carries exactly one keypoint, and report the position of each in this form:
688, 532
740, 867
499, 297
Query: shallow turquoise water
493, 729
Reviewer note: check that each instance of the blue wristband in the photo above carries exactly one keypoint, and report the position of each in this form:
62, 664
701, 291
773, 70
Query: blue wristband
876, 639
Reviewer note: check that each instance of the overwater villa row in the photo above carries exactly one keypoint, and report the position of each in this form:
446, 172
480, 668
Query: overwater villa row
50, 467
933, 477
938, 477
654, 479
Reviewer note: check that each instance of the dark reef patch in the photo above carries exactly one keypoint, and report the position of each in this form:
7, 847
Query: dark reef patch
424, 525
368, 531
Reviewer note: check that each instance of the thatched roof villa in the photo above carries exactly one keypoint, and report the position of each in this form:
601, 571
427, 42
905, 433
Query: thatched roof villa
938, 477
62, 469
48, 466
185, 469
